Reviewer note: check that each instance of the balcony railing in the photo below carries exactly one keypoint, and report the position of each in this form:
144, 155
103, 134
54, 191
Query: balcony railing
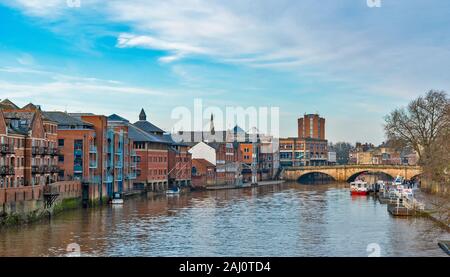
6, 148
6, 170
78, 152
53, 151
78, 168
93, 149
93, 164
118, 164
54, 169
131, 176
109, 179
92, 179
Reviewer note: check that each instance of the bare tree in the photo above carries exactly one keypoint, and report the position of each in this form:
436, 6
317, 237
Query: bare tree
421, 124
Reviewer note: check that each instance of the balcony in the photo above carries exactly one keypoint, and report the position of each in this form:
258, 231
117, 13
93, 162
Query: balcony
109, 179
78, 168
35, 169
44, 169
93, 149
93, 164
92, 179
78, 152
6, 170
54, 169
131, 176
53, 151
118, 164
35, 150
6, 148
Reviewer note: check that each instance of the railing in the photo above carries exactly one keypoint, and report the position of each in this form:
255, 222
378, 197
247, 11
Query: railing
6, 148
78, 168
53, 151
109, 179
118, 164
92, 149
54, 169
92, 180
131, 176
93, 164
6, 170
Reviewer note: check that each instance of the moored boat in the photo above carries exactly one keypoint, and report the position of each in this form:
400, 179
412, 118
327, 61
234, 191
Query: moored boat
173, 191
117, 199
359, 188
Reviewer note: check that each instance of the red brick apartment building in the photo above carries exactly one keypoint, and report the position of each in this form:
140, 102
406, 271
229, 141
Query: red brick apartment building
152, 150
121, 157
203, 173
228, 157
180, 162
28, 152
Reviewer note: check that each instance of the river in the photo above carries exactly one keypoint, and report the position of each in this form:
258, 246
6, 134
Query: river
281, 220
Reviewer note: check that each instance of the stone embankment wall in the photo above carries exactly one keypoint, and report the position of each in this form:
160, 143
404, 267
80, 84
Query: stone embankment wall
26, 204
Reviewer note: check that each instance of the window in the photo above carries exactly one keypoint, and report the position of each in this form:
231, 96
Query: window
60, 142
61, 159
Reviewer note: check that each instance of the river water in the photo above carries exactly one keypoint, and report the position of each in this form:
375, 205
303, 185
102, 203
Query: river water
281, 220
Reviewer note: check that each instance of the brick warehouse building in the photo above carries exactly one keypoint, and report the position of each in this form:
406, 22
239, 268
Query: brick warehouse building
153, 155
28, 155
180, 162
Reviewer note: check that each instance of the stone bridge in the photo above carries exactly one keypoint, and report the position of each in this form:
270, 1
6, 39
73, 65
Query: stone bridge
348, 173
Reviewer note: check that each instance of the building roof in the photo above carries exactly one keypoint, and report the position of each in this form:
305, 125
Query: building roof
30, 106
203, 162
115, 117
79, 115
19, 121
139, 135
65, 119
6, 104
148, 127
169, 139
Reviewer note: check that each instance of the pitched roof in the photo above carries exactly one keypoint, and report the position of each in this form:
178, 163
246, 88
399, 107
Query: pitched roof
115, 117
22, 120
139, 135
64, 119
30, 106
169, 139
148, 127
203, 162
8, 105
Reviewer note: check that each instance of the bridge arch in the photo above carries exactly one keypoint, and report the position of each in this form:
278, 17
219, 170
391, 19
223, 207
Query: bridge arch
353, 177
315, 177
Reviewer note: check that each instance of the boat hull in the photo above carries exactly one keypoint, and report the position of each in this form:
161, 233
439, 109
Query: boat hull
358, 192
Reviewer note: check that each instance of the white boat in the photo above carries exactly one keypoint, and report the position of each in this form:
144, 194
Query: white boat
359, 187
117, 199
398, 181
173, 191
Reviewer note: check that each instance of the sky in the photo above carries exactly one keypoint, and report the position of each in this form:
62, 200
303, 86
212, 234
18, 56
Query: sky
349, 62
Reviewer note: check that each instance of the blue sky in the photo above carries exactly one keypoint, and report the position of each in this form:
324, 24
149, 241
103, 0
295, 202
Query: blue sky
351, 63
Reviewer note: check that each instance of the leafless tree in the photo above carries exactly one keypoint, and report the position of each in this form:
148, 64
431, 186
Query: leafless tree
421, 124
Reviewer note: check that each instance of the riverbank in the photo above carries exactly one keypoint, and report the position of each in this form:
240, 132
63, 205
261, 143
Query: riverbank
31, 204
245, 185
437, 207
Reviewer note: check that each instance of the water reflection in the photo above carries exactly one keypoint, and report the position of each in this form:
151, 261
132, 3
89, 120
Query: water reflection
283, 220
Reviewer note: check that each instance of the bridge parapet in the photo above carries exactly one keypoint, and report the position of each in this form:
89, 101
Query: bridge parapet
343, 173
